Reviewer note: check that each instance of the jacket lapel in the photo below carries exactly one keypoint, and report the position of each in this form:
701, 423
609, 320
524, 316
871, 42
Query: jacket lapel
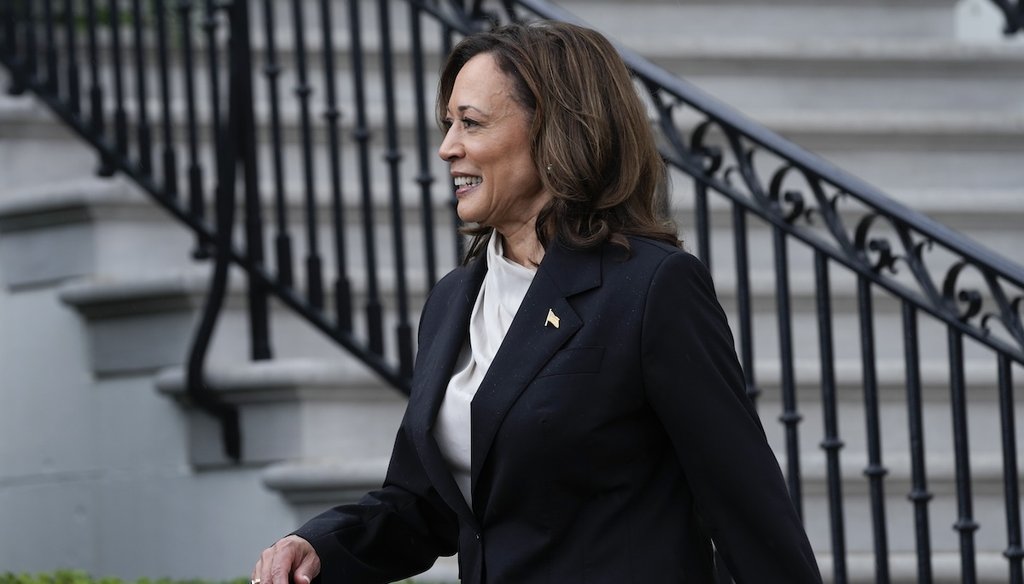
531, 341
435, 370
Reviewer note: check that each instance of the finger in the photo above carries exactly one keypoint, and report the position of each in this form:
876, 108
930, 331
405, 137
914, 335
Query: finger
308, 568
255, 575
266, 564
281, 564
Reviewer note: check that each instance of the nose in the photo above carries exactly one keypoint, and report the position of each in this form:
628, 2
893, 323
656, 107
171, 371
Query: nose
451, 146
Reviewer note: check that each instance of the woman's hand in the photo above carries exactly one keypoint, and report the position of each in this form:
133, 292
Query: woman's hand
291, 559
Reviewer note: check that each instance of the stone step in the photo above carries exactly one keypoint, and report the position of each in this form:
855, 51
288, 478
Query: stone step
100, 222
817, 72
84, 227
990, 217
296, 409
121, 315
749, 72
33, 146
991, 568
974, 211
967, 148
112, 303
982, 405
107, 229
827, 75
312, 485
987, 497
987, 483
95, 229
742, 19
639, 25
897, 151
315, 486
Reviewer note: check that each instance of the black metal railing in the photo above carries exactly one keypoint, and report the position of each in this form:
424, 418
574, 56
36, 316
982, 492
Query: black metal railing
296, 165
231, 139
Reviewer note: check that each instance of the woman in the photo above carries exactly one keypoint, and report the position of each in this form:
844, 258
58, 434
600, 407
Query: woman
577, 411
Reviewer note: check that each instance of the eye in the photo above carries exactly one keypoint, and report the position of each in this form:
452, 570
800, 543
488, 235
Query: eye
469, 122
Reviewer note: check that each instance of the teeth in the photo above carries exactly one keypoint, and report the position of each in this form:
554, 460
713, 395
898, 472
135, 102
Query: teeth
463, 181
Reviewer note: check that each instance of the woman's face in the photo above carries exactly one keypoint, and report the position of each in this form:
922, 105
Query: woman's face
488, 147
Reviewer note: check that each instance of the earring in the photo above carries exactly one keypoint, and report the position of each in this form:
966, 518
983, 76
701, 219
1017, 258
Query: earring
549, 169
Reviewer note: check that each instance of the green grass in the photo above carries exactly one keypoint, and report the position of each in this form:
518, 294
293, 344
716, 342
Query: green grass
79, 577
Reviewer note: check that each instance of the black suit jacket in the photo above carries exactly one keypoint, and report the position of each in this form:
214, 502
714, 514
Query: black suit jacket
613, 448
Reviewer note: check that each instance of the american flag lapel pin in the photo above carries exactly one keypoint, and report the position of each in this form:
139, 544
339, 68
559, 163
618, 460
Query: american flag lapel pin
551, 319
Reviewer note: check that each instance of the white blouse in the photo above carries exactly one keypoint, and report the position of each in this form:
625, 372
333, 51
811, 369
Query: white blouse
501, 293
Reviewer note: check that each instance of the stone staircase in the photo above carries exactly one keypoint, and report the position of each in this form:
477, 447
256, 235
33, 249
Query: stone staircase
102, 438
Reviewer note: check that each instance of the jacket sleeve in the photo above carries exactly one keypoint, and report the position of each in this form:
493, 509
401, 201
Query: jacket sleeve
695, 385
390, 534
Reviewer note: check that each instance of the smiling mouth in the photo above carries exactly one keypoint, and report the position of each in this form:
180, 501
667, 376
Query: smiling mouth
462, 182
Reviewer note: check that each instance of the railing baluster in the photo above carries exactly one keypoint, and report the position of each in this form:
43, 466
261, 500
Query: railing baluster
52, 84
272, 73
120, 115
170, 164
217, 127
97, 116
9, 28
303, 91
31, 49
965, 524
97, 124
790, 417
393, 156
196, 204
919, 494
746, 334
703, 224
447, 42
342, 285
232, 137
875, 471
1011, 488
424, 177
74, 91
142, 129
241, 99
832, 445
362, 139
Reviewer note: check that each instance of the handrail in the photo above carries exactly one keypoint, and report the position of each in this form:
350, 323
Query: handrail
917, 231
19, 46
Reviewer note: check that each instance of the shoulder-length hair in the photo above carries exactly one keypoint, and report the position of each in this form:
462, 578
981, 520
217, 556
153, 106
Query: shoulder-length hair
590, 137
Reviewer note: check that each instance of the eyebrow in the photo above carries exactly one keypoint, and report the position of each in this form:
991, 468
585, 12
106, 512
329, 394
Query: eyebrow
463, 108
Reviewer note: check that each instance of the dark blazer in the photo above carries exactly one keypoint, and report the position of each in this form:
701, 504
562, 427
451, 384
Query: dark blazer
613, 448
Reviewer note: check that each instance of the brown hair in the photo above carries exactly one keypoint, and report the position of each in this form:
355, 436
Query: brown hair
590, 136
